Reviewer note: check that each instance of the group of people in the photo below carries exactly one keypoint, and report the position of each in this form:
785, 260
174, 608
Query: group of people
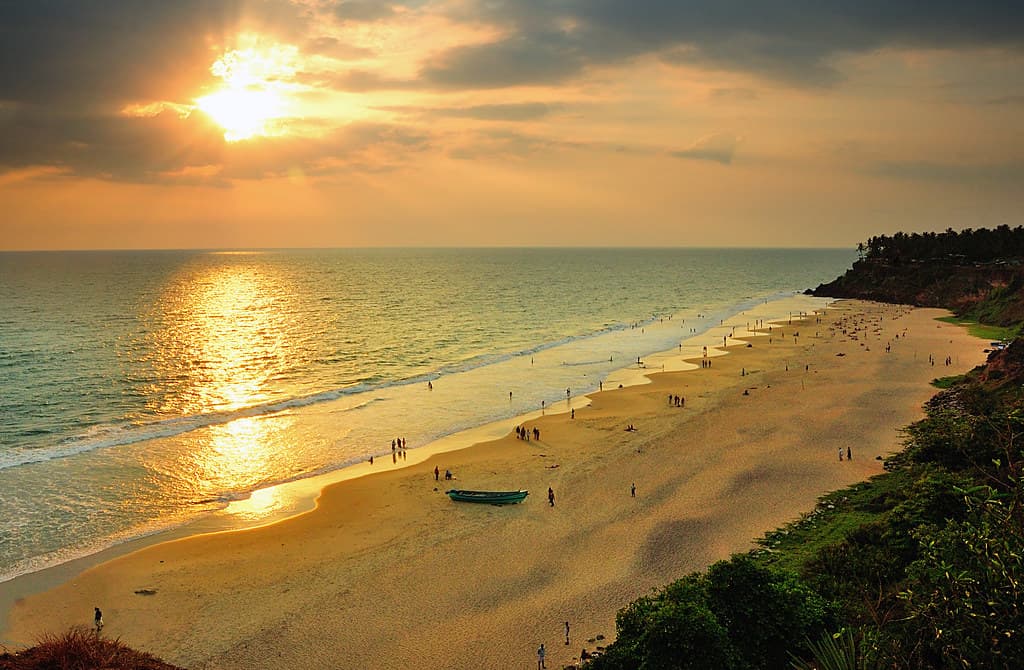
437, 474
398, 449
523, 433
676, 400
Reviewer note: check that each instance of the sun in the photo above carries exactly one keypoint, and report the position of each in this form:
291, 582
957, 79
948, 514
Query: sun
243, 113
254, 99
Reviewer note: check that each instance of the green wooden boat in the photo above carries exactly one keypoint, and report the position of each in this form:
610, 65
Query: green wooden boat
490, 497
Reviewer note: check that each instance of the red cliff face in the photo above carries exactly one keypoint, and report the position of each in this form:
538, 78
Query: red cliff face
996, 290
1004, 367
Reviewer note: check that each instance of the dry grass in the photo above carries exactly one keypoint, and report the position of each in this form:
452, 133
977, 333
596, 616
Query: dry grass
81, 649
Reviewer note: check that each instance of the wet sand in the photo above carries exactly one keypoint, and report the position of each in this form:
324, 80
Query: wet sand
388, 573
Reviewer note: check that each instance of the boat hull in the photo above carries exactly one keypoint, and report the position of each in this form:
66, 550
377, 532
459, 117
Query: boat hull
489, 497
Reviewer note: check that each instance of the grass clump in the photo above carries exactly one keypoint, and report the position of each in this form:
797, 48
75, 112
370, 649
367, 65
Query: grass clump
81, 649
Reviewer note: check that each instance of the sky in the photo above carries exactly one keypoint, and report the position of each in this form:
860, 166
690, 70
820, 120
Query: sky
350, 123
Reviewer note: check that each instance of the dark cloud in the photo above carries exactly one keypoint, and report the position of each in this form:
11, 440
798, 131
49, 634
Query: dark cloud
790, 40
717, 148
68, 68
359, 81
167, 147
335, 48
521, 111
136, 149
93, 54
1005, 173
1007, 100
362, 10
525, 111
507, 143
526, 58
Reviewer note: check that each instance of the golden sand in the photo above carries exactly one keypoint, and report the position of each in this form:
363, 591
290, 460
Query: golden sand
388, 573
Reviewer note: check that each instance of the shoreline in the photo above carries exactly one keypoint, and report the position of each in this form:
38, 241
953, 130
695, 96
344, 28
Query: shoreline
604, 412
296, 497
206, 511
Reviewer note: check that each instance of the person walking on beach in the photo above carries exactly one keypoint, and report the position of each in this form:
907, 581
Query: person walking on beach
551, 496
840, 454
632, 490
849, 454
566, 632
540, 657
437, 473
98, 620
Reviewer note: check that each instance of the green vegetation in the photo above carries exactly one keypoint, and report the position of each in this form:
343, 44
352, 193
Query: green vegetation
739, 615
947, 382
920, 567
984, 331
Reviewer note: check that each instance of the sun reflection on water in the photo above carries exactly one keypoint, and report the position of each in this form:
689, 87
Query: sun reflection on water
224, 334
221, 340
241, 454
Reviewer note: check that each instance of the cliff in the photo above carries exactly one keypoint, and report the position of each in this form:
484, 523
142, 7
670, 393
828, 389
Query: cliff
986, 292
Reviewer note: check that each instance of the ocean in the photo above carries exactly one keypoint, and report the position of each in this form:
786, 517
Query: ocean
143, 390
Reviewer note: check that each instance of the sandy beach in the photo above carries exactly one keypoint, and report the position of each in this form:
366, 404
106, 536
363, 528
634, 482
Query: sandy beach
388, 573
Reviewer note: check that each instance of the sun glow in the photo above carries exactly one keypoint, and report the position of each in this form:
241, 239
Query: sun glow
254, 100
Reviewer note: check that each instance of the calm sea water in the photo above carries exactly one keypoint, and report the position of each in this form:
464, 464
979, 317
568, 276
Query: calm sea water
140, 390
